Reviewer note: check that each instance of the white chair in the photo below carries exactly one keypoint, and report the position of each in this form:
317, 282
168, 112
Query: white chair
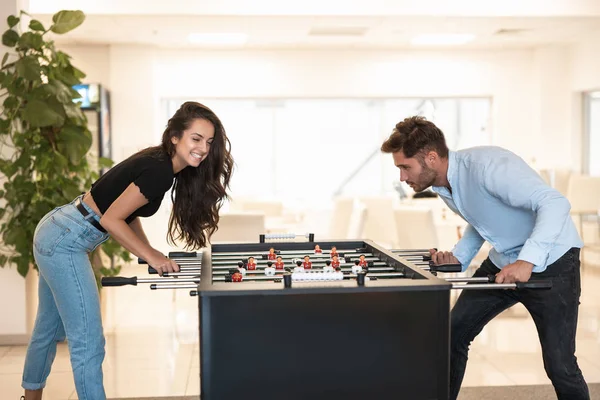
356, 223
239, 228
584, 195
547, 176
270, 208
379, 223
561, 179
340, 220
415, 227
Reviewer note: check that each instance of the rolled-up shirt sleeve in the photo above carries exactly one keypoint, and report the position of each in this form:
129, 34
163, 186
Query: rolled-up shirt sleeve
515, 183
468, 246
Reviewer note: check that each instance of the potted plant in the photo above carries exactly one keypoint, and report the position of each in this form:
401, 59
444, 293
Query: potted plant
44, 139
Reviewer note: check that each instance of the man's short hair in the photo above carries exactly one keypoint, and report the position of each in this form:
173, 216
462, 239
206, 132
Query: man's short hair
416, 135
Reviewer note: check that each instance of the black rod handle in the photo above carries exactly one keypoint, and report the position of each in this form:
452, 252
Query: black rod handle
182, 254
534, 285
444, 267
119, 281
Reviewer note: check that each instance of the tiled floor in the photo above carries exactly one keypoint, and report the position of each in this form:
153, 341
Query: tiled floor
152, 348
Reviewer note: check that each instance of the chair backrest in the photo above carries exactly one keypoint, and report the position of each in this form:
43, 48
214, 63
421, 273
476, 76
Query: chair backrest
270, 208
356, 223
379, 223
415, 227
584, 194
547, 176
239, 228
561, 180
340, 220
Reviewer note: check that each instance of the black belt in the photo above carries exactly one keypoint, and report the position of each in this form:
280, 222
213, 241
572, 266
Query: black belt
85, 213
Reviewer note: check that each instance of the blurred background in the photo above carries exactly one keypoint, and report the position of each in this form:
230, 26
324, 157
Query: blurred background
307, 92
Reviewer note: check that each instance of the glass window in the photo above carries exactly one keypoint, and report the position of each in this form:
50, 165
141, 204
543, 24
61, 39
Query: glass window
310, 150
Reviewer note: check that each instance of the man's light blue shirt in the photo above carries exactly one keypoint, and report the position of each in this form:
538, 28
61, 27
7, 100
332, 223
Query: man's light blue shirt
507, 204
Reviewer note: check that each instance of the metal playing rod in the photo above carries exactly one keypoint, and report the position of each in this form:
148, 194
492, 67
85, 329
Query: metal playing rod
156, 286
134, 280
518, 285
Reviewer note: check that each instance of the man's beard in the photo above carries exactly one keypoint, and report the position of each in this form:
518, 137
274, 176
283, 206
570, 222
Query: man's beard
426, 179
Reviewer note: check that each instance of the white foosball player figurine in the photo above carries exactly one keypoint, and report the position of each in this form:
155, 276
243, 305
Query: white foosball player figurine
356, 269
269, 271
328, 269
241, 268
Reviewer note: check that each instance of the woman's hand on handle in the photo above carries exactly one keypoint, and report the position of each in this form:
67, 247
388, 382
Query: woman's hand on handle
163, 264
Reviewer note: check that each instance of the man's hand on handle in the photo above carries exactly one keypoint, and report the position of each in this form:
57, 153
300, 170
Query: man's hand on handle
519, 271
443, 257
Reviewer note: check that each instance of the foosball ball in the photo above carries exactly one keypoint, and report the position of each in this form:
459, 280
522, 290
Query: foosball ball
328, 320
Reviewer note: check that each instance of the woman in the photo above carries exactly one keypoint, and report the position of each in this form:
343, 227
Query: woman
195, 159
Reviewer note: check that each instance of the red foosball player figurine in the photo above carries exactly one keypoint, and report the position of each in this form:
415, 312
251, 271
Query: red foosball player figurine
279, 263
251, 266
362, 262
307, 264
271, 255
318, 249
335, 263
237, 277
334, 252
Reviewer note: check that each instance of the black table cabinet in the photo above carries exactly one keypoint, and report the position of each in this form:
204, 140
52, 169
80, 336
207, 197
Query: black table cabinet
334, 340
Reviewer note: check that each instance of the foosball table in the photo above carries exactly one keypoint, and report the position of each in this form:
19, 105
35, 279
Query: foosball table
329, 320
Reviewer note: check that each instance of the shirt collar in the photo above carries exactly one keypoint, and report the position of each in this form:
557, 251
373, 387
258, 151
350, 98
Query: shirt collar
452, 167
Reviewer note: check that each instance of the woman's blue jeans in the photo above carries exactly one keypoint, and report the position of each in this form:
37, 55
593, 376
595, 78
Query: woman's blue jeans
69, 304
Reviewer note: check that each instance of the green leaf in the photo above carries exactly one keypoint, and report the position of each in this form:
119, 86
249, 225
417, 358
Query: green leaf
23, 161
63, 92
104, 162
66, 20
3, 260
71, 190
60, 162
44, 113
74, 112
66, 75
11, 236
77, 73
29, 68
22, 265
11, 102
4, 126
74, 142
5, 58
62, 58
10, 38
12, 20
36, 25
30, 40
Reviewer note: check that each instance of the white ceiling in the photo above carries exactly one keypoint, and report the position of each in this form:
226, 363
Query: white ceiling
327, 24
306, 32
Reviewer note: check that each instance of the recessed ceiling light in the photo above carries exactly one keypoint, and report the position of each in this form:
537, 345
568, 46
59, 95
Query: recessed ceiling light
222, 38
444, 39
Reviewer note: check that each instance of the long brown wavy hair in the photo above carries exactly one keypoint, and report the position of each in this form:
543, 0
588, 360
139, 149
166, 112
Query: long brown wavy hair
198, 193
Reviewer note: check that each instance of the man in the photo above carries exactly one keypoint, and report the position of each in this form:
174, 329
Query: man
529, 227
